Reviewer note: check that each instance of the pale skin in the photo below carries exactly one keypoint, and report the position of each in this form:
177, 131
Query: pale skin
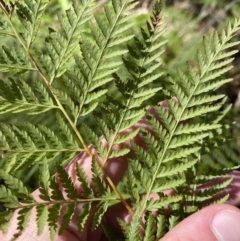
197, 227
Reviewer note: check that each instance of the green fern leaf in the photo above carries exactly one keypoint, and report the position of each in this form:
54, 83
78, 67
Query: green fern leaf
124, 227
53, 216
67, 217
210, 192
44, 181
180, 109
67, 183
154, 205
82, 218
5, 218
100, 186
20, 97
82, 178
221, 200
174, 217
62, 44
178, 168
159, 186
30, 14
161, 226
95, 62
16, 186
134, 228
23, 218
14, 60
22, 151
149, 229
42, 216
65, 133
101, 210
56, 193
7, 197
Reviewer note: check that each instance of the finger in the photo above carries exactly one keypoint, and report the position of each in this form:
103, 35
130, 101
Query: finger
219, 222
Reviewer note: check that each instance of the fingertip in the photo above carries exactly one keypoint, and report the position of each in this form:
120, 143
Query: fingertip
208, 224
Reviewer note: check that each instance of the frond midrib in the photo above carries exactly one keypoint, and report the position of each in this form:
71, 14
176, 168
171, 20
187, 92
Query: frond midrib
34, 150
18, 67
65, 201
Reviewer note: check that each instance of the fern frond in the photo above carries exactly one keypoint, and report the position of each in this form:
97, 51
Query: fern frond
149, 229
67, 217
154, 205
61, 199
23, 219
16, 186
225, 157
190, 86
82, 178
14, 60
42, 216
93, 69
56, 193
175, 216
44, 181
83, 216
67, 183
5, 30
27, 145
161, 226
101, 210
134, 228
199, 192
5, 217
30, 15
53, 217
80, 59
20, 97
7, 197
134, 91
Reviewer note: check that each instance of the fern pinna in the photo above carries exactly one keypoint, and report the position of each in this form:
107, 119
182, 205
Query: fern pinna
155, 149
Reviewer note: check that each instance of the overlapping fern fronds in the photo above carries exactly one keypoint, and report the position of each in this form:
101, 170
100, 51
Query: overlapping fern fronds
64, 204
82, 56
161, 166
121, 115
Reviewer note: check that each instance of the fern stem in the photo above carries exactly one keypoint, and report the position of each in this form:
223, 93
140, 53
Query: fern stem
7, 34
75, 201
130, 210
19, 67
42, 150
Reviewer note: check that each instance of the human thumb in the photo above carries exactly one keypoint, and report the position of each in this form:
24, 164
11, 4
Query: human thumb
214, 223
